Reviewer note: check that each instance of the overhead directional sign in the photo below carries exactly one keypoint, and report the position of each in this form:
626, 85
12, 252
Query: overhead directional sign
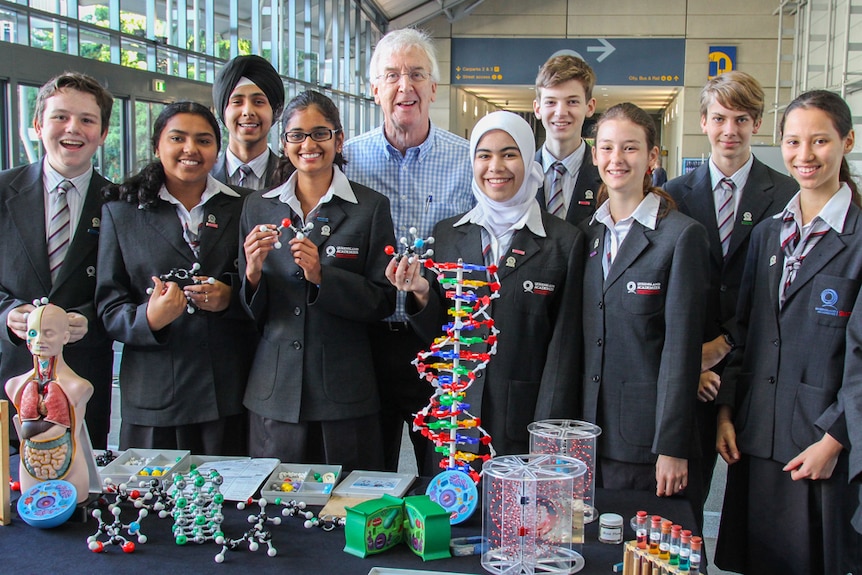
616, 61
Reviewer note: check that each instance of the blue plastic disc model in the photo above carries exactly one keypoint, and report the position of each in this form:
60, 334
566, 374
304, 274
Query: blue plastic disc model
455, 492
48, 504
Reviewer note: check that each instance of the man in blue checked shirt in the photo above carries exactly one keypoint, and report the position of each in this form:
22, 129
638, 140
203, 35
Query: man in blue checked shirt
425, 172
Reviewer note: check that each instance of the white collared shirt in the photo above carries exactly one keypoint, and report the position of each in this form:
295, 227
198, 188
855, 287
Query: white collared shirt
834, 213
616, 232
740, 177
286, 193
194, 218
74, 198
532, 220
258, 166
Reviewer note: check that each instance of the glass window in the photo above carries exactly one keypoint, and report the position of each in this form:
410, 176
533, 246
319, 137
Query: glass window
145, 114
95, 45
31, 147
109, 159
49, 35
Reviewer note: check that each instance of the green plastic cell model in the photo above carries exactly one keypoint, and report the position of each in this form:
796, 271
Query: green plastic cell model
379, 524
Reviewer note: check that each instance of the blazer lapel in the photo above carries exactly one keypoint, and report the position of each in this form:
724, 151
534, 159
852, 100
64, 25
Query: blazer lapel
216, 220
163, 219
524, 246
702, 205
756, 198
327, 221
271, 165
775, 265
636, 242
469, 244
826, 249
219, 171
27, 209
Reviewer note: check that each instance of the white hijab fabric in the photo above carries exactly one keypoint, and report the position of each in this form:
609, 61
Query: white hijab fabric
499, 217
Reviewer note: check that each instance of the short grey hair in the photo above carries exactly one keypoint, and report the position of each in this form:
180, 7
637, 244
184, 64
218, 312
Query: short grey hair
402, 40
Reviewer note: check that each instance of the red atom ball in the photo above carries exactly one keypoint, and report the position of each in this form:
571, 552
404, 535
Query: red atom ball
285, 223
128, 547
389, 250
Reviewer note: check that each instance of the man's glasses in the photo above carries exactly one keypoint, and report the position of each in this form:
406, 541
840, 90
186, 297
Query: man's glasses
319, 135
416, 76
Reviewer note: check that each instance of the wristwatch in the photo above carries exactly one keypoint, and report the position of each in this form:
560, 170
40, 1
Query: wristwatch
729, 340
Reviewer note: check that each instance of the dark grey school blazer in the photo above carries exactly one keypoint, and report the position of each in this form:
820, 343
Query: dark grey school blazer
195, 369
25, 276
784, 384
642, 337
314, 358
765, 194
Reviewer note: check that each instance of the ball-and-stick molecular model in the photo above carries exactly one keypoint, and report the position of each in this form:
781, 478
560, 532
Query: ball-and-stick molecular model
286, 223
184, 277
412, 248
256, 534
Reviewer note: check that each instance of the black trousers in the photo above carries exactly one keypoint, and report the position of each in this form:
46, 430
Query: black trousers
402, 393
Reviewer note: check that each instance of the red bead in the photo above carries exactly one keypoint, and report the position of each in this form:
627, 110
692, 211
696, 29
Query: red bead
134, 494
15, 486
389, 250
98, 547
285, 223
522, 531
128, 547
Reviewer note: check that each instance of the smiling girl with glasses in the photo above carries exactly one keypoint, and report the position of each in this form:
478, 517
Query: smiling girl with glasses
312, 395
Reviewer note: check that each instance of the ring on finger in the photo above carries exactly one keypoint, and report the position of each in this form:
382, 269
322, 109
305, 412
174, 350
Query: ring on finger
206, 297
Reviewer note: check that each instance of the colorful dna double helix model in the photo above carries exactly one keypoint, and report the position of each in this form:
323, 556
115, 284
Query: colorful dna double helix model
451, 365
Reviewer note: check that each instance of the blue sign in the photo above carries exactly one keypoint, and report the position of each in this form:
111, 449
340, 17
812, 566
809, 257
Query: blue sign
616, 61
721, 59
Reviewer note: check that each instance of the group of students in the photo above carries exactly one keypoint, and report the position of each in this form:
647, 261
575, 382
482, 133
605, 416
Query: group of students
716, 313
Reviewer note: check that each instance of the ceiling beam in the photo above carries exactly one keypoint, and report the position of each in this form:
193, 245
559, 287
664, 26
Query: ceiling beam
373, 12
454, 10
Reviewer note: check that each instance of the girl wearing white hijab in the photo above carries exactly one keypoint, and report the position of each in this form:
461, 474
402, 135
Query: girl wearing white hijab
535, 372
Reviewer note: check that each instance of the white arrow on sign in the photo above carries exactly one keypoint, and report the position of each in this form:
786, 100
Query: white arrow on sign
606, 49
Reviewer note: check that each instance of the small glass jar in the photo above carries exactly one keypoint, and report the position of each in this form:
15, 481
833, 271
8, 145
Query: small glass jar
611, 528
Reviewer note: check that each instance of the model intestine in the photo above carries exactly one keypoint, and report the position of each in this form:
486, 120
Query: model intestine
51, 402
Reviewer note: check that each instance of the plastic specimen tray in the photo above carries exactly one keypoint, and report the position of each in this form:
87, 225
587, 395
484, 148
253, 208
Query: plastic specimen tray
144, 464
312, 484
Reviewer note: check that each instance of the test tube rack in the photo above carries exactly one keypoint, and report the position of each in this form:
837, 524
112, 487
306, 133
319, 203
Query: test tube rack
637, 561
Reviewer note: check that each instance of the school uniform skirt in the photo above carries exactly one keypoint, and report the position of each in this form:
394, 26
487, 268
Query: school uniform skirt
772, 524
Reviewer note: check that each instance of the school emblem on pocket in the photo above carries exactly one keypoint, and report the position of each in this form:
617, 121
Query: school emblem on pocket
829, 297
538, 288
644, 288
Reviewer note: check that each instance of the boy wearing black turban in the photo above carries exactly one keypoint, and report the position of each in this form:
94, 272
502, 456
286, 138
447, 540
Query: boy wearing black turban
248, 95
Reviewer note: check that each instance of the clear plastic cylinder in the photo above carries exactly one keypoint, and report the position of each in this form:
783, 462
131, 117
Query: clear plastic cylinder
571, 438
528, 507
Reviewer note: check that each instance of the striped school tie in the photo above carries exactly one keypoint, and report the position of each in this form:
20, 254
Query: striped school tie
556, 205
193, 238
59, 227
725, 213
244, 172
795, 251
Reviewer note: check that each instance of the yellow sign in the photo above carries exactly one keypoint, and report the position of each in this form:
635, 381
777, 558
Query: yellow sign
721, 59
